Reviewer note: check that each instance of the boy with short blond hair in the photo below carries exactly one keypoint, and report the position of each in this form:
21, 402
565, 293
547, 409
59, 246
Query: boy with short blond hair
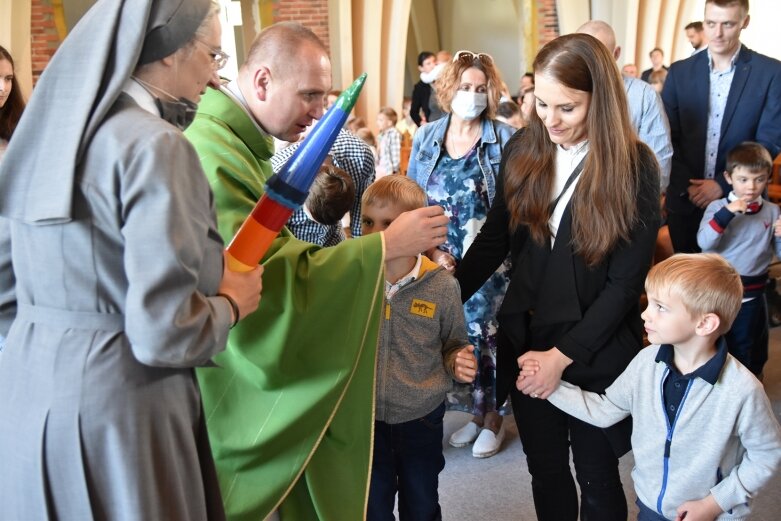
744, 228
423, 346
705, 438
389, 143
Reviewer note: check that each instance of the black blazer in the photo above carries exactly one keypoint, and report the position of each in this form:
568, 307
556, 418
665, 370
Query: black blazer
646, 75
591, 314
752, 113
420, 95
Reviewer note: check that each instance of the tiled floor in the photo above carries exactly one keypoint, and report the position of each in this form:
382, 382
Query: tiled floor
498, 488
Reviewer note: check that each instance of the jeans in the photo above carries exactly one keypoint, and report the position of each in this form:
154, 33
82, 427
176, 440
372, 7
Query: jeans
407, 459
747, 340
648, 514
547, 434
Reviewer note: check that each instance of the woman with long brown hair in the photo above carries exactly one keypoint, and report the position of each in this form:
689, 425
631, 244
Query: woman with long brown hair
578, 212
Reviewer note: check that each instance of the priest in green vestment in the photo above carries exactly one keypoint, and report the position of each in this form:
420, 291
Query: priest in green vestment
289, 407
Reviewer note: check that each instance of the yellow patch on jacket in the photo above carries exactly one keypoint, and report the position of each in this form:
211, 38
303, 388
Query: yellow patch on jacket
423, 308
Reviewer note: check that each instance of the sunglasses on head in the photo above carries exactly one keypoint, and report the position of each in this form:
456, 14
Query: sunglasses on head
469, 56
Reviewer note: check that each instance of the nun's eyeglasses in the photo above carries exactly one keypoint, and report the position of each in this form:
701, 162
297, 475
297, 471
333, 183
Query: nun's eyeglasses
219, 57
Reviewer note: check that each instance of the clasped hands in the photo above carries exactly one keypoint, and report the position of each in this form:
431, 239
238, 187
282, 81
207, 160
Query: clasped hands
540, 372
703, 191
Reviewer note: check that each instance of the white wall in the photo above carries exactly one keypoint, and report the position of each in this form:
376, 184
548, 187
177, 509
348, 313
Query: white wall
489, 26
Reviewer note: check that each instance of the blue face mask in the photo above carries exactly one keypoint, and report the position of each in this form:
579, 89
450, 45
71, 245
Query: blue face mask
469, 105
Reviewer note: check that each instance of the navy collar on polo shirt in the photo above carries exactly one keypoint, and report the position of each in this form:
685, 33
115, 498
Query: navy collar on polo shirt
709, 371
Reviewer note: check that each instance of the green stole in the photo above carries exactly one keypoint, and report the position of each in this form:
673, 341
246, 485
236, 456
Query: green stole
290, 409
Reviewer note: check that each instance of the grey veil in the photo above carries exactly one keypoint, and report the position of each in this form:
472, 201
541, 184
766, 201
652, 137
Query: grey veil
76, 91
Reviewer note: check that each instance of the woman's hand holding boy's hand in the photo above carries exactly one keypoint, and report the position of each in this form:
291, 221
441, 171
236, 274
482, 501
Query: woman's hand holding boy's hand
545, 376
777, 227
529, 367
705, 509
465, 365
415, 231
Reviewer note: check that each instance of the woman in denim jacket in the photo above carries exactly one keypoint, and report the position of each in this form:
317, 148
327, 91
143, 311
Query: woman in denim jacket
456, 161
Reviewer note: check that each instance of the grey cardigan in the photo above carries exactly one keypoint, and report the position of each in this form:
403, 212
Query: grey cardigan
725, 441
421, 330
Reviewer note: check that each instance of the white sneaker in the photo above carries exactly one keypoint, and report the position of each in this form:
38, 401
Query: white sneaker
465, 435
487, 443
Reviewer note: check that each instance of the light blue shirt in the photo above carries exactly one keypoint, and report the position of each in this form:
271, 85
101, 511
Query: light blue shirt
650, 120
720, 82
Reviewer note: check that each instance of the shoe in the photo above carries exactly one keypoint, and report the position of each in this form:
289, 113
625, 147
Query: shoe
487, 443
465, 435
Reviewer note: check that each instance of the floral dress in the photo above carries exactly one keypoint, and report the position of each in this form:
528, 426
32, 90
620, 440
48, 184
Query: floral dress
458, 185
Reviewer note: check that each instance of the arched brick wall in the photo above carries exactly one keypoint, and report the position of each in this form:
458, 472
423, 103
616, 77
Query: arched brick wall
312, 14
44, 38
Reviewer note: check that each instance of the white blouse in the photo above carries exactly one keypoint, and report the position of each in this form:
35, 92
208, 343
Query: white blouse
566, 161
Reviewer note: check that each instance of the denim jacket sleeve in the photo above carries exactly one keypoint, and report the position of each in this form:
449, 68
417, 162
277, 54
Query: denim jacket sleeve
426, 149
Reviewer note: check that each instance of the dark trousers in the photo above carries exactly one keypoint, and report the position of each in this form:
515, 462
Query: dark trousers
408, 459
747, 340
683, 231
547, 434
648, 514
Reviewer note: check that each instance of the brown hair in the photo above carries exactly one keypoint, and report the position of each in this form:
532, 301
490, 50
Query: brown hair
331, 196
729, 3
366, 135
450, 79
604, 204
508, 109
395, 189
355, 123
705, 283
11, 112
390, 114
751, 156
657, 76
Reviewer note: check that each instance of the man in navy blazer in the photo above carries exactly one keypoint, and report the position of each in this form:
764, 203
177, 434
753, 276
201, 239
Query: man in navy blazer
715, 100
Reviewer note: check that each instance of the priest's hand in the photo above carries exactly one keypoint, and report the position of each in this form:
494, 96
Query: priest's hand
415, 232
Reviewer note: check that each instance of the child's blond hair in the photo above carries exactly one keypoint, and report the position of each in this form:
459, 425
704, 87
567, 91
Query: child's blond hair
395, 189
705, 283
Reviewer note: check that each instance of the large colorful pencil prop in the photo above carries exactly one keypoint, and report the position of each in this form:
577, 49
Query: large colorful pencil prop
288, 189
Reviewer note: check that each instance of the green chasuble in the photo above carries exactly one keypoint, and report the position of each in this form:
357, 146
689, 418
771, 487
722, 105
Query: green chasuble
290, 406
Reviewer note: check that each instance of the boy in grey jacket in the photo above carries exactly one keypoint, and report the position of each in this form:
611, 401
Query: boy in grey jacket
705, 438
744, 228
422, 347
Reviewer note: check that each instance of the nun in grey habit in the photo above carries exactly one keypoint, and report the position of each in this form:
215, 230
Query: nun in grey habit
108, 297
